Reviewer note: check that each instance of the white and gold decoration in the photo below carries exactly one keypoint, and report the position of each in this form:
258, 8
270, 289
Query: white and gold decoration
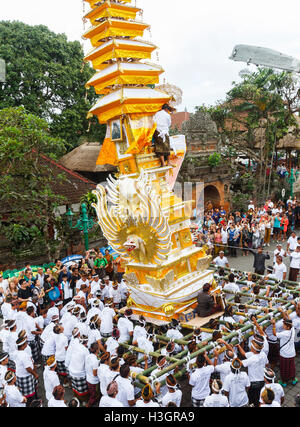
139, 214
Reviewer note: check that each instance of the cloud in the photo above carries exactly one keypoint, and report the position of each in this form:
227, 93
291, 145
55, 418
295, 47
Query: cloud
195, 38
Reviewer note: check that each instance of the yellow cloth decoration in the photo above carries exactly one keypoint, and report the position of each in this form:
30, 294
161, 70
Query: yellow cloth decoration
109, 113
123, 79
108, 153
142, 130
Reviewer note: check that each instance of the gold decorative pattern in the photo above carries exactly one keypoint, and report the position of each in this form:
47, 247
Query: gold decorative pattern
203, 263
161, 284
135, 225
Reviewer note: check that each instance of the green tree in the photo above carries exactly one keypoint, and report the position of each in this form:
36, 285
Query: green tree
28, 198
258, 112
46, 75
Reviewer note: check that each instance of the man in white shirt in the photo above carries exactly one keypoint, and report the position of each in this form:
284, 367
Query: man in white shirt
95, 285
280, 269
26, 375
109, 400
50, 377
33, 331
70, 321
125, 388
82, 281
107, 315
104, 373
292, 242
278, 251
216, 399
256, 361
236, 385
105, 293
270, 384
174, 393
161, 137
13, 396
287, 350
91, 369
221, 260
294, 264
77, 367
199, 380
231, 286
125, 326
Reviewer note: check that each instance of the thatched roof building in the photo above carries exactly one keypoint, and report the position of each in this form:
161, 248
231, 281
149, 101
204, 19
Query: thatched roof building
83, 160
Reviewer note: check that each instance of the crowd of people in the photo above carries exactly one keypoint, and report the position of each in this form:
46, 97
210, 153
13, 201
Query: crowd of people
69, 328
243, 231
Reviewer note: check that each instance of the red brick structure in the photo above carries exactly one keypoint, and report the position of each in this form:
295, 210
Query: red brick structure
179, 118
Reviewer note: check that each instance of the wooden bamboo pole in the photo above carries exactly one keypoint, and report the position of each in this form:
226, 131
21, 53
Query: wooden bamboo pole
233, 270
142, 377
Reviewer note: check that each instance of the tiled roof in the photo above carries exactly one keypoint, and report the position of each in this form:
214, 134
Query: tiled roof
72, 188
75, 185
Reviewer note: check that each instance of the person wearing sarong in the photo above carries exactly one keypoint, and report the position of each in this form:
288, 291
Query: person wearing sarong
27, 377
287, 350
161, 136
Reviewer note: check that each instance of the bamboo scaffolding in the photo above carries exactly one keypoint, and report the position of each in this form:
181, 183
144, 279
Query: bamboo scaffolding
143, 377
233, 270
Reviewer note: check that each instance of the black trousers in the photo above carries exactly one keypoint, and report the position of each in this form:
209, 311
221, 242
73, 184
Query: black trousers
254, 392
260, 272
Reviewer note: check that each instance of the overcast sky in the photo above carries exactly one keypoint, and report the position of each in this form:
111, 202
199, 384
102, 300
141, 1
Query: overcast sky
195, 37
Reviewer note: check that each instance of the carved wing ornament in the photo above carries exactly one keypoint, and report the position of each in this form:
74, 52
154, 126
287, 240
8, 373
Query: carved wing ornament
134, 225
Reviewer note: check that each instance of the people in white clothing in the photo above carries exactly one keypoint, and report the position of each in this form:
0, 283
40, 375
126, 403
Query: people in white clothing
236, 385
174, 394
199, 380
216, 399
221, 260
50, 377
109, 400
13, 396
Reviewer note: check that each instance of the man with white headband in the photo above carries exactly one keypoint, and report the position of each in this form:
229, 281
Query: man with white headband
107, 315
125, 326
216, 399
77, 368
110, 399
50, 377
27, 377
49, 346
11, 343
161, 365
256, 361
4, 358
270, 383
96, 307
199, 379
139, 330
70, 321
174, 394
224, 368
236, 385
13, 396
174, 333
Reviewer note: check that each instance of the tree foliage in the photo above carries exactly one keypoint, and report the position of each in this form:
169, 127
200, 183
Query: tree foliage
257, 113
263, 100
46, 75
28, 198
